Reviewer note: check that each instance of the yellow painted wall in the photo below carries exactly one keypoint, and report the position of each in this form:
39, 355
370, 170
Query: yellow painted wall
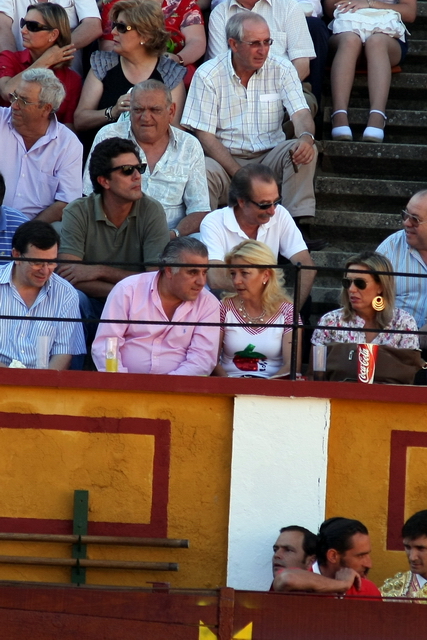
358, 471
40, 469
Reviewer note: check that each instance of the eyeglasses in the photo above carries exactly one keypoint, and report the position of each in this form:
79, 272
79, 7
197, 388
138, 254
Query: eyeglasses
121, 27
128, 169
255, 44
13, 97
263, 207
37, 264
415, 221
360, 283
34, 26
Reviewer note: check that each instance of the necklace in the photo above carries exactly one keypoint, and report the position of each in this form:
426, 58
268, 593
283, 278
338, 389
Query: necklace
247, 317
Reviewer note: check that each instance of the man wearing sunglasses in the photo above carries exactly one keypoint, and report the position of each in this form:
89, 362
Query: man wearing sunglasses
254, 211
407, 252
235, 106
41, 158
84, 20
117, 223
175, 172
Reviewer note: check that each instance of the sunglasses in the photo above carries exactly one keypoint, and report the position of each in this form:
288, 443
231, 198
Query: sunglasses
34, 26
415, 221
128, 169
121, 27
263, 207
360, 283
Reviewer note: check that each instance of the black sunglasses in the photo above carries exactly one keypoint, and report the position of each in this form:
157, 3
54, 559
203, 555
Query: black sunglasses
121, 27
34, 26
128, 169
263, 207
360, 283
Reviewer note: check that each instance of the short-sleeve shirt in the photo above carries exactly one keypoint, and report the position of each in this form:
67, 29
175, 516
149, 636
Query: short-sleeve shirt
220, 232
245, 119
89, 235
10, 220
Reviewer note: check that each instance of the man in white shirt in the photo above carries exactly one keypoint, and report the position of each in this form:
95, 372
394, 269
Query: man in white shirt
254, 212
236, 105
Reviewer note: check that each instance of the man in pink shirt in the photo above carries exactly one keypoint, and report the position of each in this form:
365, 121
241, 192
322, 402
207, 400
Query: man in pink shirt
173, 294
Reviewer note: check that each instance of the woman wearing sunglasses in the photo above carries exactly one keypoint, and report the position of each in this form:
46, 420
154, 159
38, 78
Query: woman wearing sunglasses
368, 302
248, 351
139, 45
46, 36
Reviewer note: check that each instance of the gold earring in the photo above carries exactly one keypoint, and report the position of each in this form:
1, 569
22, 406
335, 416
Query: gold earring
378, 303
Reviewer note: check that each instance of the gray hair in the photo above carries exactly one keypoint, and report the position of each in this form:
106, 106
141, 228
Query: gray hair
153, 85
235, 25
173, 251
51, 89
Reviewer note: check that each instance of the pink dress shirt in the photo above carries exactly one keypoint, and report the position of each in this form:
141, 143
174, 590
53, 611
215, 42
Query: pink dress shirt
158, 348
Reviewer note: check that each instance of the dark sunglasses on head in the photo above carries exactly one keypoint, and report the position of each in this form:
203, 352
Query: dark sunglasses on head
360, 283
34, 26
128, 169
263, 207
121, 27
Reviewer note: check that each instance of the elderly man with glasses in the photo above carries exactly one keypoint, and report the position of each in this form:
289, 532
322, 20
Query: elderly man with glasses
407, 252
236, 105
117, 223
41, 159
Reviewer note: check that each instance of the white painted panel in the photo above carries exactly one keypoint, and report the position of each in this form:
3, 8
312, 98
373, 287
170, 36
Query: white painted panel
278, 478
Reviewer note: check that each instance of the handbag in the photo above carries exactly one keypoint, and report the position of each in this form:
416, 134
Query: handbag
367, 21
393, 365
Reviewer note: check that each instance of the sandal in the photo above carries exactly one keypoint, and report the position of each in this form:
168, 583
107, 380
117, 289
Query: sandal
341, 133
374, 134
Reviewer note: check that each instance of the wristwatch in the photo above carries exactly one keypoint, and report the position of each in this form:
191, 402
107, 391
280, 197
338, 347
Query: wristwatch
176, 232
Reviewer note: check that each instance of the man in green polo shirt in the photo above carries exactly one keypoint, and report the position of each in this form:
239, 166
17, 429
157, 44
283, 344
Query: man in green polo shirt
117, 224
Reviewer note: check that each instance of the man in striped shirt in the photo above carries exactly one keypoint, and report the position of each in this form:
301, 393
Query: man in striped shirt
29, 289
10, 220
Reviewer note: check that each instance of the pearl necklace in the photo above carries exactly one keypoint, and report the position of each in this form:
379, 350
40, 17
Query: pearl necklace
247, 317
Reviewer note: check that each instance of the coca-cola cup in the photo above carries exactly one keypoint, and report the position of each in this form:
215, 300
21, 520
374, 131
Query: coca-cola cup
366, 359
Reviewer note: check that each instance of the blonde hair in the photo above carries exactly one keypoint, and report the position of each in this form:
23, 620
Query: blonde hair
55, 17
257, 253
146, 16
374, 262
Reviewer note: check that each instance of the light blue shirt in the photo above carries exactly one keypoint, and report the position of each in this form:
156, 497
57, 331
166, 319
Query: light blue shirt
18, 338
411, 292
10, 220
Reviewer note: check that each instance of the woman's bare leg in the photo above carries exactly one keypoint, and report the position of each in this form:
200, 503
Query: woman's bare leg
382, 53
348, 47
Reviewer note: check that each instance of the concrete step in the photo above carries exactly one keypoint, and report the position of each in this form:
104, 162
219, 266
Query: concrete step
350, 220
395, 117
373, 187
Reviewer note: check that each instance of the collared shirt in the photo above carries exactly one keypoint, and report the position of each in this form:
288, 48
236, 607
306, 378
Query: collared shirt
178, 180
411, 292
163, 348
401, 320
10, 220
88, 234
286, 21
220, 232
50, 170
245, 119
18, 338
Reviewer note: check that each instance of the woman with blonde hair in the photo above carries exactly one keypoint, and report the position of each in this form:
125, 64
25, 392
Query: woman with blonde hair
368, 302
139, 45
247, 350
46, 36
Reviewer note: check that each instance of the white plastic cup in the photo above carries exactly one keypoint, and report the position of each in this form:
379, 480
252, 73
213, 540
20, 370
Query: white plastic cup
111, 359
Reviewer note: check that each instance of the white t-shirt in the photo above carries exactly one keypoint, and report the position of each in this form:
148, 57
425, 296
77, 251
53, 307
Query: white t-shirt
220, 232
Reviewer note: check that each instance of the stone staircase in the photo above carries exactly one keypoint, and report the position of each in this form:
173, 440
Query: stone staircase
362, 187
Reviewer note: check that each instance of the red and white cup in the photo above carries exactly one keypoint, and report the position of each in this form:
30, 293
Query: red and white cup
366, 359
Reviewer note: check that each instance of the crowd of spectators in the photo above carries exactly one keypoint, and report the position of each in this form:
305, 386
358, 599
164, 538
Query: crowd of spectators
142, 156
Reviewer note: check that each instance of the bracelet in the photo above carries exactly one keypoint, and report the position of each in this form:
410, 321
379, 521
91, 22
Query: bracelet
181, 61
307, 133
108, 113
